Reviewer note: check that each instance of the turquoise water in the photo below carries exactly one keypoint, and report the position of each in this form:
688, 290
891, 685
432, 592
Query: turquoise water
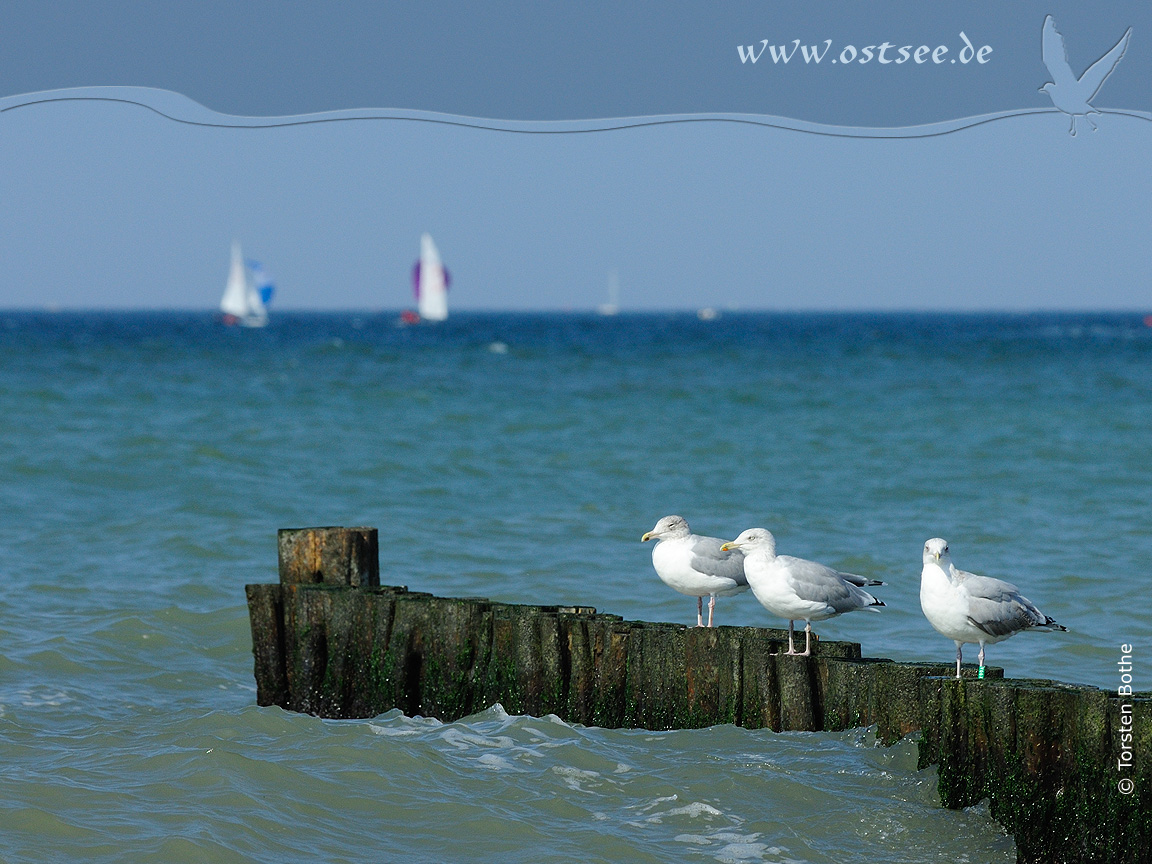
150, 458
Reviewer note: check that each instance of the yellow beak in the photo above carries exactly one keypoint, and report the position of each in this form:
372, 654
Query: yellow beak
646, 537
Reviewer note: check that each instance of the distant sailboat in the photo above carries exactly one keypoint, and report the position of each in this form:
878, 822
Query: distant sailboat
612, 307
247, 293
430, 281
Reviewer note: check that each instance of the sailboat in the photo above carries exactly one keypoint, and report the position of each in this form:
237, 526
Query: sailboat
247, 293
430, 282
612, 307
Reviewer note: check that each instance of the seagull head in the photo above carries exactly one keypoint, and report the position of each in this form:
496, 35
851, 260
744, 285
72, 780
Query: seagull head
936, 552
1048, 88
752, 540
668, 528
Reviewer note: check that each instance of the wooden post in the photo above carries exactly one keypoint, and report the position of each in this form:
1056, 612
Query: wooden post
266, 615
332, 556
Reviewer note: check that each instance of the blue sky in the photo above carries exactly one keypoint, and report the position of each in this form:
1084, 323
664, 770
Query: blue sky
112, 206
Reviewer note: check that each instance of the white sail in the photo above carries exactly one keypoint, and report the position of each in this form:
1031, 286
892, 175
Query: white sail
235, 299
242, 302
432, 284
612, 307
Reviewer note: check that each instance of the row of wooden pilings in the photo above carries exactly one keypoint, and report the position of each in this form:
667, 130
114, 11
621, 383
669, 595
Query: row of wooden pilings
329, 640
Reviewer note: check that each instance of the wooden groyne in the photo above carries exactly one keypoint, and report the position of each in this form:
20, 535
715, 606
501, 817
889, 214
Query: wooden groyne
330, 640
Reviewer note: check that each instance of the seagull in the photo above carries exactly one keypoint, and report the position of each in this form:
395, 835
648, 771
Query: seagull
970, 608
1070, 94
794, 588
695, 565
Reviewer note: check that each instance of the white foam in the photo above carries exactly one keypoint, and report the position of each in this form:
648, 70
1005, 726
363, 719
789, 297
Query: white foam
696, 808
692, 838
569, 771
53, 699
496, 711
573, 776
392, 732
735, 853
734, 837
466, 740
495, 762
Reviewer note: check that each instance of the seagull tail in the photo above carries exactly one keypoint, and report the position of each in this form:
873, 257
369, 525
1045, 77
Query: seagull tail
1050, 624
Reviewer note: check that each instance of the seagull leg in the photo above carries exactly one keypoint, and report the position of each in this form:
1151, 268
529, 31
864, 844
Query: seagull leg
711, 606
791, 646
1072, 131
981, 653
807, 639
699, 611
959, 656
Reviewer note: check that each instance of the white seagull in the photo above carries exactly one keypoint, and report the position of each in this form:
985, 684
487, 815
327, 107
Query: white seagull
695, 565
970, 608
1070, 94
795, 588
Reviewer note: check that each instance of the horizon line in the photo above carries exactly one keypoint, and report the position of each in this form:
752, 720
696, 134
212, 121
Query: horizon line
593, 311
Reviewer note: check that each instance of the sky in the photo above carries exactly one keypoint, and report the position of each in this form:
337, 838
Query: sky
128, 203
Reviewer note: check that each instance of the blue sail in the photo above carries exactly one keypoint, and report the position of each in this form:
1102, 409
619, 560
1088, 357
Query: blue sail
261, 281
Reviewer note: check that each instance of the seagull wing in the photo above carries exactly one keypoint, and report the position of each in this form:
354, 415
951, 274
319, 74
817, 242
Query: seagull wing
819, 584
1003, 618
1056, 55
1093, 78
995, 606
707, 558
983, 586
859, 581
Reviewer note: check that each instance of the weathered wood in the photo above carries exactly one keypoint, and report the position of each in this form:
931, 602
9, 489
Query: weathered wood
335, 556
266, 615
1043, 753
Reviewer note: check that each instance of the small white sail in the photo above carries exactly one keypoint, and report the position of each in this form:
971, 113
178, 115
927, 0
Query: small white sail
612, 307
431, 282
235, 299
243, 302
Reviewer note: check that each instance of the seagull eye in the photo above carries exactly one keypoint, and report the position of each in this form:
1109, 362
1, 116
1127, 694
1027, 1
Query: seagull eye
945, 548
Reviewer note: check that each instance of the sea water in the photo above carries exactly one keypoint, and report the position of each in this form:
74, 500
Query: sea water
150, 457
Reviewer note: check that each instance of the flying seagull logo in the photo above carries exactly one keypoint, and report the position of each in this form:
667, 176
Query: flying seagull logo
1070, 94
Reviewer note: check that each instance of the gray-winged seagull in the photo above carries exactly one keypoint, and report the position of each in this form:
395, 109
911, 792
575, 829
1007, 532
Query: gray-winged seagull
795, 588
973, 609
695, 565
